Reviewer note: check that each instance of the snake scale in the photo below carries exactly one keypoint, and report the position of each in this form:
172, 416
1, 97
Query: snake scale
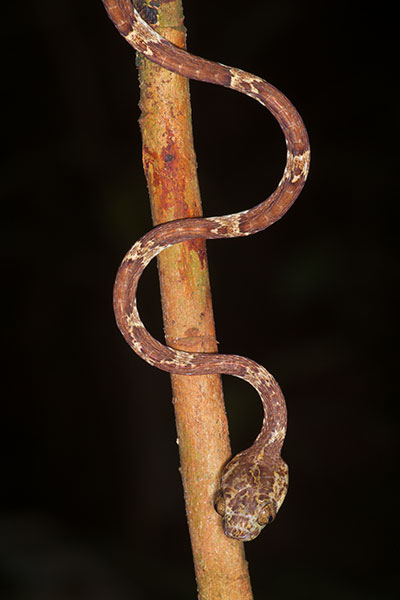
254, 483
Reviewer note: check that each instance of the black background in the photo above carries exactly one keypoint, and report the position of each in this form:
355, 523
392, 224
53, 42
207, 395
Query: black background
91, 498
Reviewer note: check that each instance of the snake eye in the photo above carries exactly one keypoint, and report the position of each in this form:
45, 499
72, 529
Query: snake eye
267, 514
219, 505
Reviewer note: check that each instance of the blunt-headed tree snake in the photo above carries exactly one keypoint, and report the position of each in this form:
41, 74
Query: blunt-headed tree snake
254, 483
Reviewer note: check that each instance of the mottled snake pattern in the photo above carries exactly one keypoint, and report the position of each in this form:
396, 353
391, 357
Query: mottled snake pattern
253, 483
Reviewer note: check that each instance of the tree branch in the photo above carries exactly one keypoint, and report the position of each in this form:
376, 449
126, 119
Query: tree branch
170, 168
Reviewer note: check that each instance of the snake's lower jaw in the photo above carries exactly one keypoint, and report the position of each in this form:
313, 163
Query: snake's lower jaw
242, 536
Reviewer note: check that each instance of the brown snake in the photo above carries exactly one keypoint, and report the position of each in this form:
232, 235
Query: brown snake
254, 483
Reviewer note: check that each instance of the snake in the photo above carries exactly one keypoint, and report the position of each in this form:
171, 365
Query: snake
253, 484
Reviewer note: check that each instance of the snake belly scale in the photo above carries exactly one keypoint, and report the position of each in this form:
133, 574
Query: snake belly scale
254, 483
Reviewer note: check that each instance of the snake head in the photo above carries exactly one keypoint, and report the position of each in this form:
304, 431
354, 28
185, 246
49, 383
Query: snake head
251, 494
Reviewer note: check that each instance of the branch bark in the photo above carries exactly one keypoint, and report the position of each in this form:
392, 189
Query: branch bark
170, 168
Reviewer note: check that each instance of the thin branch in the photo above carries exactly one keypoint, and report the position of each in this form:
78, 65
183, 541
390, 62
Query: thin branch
170, 168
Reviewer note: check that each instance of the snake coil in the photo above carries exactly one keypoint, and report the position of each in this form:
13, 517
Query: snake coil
254, 483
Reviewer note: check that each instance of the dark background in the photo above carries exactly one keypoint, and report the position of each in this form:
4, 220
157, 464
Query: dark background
91, 498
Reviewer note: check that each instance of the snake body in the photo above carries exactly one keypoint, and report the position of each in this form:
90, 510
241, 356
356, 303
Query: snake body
254, 483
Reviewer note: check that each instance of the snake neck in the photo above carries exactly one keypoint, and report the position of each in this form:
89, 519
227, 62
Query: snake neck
273, 430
